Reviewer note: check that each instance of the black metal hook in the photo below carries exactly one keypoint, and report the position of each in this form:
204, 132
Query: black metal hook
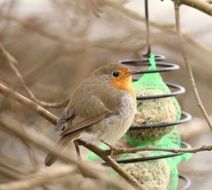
148, 43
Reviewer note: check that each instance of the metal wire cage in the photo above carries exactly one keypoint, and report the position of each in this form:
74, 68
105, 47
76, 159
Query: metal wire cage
176, 90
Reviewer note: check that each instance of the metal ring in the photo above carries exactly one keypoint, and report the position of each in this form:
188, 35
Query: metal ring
184, 115
158, 58
180, 90
185, 144
150, 158
186, 180
166, 67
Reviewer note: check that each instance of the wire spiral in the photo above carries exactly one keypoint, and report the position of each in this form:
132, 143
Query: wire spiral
175, 91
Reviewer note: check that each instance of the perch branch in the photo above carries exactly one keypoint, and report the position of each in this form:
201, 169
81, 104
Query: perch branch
173, 150
45, 144
111, 162
189, 69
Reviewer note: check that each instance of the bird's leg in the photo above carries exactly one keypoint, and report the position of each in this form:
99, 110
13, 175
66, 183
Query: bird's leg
113, 149
76, 144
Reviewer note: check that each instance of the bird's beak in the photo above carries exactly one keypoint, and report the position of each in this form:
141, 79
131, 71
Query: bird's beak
136, 72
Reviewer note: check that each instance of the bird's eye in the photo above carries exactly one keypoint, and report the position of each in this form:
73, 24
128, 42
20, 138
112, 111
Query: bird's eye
116, 73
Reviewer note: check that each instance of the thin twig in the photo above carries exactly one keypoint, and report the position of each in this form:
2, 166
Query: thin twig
12, 62
15, 164
39, 31
189, 69
129, 13
28, 103
39, 178
133, 15
10, 169
173, 150
11, 174
200, 5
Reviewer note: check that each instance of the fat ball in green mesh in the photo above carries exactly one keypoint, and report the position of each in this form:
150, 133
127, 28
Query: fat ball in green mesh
159, 174
152, 111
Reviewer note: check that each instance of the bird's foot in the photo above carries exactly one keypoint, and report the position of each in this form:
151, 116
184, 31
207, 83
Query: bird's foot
113, 149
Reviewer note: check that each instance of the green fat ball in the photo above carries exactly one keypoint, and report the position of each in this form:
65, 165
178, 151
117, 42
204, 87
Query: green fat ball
153, 111
154, 175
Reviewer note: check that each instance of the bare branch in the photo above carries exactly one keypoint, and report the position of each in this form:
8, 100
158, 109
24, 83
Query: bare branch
28, 103
173, 150
10, 173
189, 69
39, 178
200, 5
111, 163
12, 62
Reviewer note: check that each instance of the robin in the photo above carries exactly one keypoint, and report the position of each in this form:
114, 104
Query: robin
101, 109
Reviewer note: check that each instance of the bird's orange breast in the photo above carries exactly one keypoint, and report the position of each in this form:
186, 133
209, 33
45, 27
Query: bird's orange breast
124, 83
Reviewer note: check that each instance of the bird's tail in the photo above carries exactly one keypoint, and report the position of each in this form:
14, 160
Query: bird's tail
60, 146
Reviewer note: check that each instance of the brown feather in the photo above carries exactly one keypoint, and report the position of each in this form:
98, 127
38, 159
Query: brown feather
86, 123
60, 146
68, 115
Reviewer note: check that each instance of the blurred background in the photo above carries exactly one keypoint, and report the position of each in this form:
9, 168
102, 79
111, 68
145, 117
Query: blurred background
58, 43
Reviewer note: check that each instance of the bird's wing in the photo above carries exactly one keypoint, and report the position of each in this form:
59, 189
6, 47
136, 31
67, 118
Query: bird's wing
75, 121
67, 115
81, 123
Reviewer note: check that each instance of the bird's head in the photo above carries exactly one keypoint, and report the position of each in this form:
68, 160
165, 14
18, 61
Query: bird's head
116, 75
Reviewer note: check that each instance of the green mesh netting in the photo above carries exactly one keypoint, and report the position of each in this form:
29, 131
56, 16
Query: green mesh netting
152, 111
153, 84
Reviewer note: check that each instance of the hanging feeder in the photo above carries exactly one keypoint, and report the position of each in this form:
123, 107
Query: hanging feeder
162, 133
151, 132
